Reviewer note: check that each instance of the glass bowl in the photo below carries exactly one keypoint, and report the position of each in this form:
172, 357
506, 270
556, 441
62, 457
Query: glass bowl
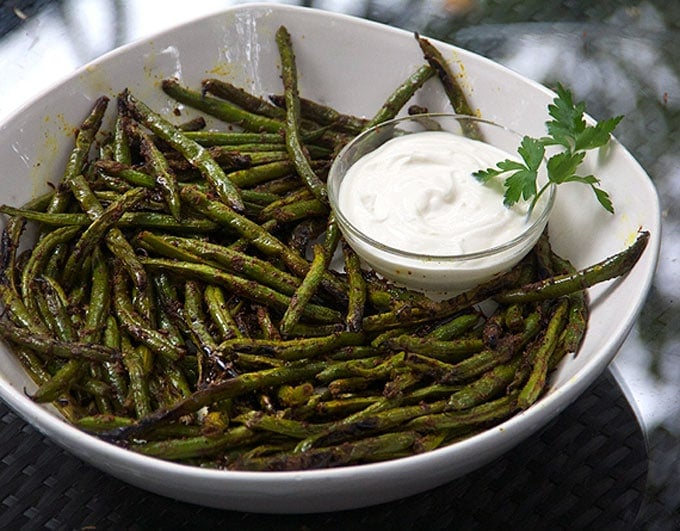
436, 272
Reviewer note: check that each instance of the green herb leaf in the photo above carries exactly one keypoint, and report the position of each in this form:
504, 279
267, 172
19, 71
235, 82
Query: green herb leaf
563, 165
521, 184
593, 137
567, 120
568, 129
532, 151
604, 199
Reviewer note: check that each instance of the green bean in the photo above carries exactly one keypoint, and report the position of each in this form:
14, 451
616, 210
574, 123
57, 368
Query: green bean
229, 159
257, 420
333, 408
240, 97
220, 108
296, 211
357, 289
98, 230
262, 173
128, 174
293, 140
269, 330
32, 363
292, 349
229, 388
17, 311
60, 383
122, 153
229, 218
63, 329
194, 447
78, 156
540, 359
503, 351
111, 339
196, 154
301, 194
353, 367
305, 291
196, 322
154, 220
351, 422
574, 330
614, 266
315, 330
11, 237
100, 423
143, 303
149, 220
370, 424
217, 255
139, 387
38, 259
55, 308
489, 385
251, 150
451, 351
56, 347
331, 238
115, 240
219, 312
278, 185
295, 395
222, 138
134, 324
165, 178
352, 384
413, 314
170, 307
396, 101
483, 414
162, 392
325, 115
454, 327
367, 449
245, 288
453, 90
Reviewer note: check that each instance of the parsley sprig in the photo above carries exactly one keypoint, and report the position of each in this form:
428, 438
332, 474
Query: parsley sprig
567, 129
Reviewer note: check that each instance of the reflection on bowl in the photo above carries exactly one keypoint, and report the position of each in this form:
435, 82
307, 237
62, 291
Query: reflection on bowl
389, 218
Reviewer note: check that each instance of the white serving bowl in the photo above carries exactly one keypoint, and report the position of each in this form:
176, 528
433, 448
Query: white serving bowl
353, 65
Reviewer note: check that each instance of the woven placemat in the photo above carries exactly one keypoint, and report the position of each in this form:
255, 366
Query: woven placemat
586, 469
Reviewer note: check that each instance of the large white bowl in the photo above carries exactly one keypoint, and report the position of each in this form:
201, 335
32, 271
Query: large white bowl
353, 65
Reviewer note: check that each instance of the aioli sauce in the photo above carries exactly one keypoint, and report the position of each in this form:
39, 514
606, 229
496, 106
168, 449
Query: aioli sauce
417, 193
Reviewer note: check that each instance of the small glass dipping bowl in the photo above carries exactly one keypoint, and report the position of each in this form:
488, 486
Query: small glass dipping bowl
437, 275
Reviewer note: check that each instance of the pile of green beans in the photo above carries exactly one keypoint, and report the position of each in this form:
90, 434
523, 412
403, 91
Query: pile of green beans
177, 298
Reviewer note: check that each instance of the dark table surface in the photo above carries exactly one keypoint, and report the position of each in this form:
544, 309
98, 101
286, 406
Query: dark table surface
611, 460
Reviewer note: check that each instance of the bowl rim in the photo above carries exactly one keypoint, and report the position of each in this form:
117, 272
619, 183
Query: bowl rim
546, 202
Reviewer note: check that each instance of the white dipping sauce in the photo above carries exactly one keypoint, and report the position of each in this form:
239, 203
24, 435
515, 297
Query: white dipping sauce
417, 193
